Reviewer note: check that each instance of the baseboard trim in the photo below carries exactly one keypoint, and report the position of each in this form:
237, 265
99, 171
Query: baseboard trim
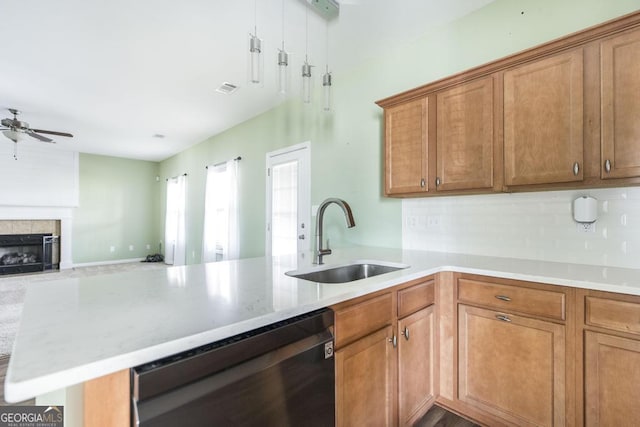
113, 261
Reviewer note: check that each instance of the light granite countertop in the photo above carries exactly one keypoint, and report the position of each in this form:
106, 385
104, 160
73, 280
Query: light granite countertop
74, 330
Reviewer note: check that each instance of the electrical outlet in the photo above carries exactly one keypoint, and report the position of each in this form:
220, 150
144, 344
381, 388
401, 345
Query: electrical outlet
433, 221
130, 247
112, 248
148, 246
586, 227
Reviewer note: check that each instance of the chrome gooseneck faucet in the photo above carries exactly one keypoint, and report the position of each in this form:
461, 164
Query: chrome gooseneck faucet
320, 251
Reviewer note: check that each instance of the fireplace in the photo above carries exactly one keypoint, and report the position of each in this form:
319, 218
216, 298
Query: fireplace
28, 253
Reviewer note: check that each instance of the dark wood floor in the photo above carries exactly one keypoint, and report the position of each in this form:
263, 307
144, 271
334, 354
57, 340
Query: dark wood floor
4, 364
438, 417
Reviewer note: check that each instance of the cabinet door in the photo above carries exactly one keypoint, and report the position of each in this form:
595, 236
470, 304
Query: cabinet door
465, 136
406, 148
415, 365
365, 381
611, 380
512, 367
543, 133
620, 58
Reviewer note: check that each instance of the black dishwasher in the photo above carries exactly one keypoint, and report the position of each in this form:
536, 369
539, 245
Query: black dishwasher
278, 375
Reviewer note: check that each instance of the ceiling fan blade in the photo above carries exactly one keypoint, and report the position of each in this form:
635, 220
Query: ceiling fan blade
40, 137
50, 132
6, 122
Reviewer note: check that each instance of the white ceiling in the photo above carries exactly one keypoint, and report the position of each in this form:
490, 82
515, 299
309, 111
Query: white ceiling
114, 73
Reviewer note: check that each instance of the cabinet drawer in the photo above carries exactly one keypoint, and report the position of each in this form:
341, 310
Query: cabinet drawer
536, 302
415, 297
361, 319
619, 316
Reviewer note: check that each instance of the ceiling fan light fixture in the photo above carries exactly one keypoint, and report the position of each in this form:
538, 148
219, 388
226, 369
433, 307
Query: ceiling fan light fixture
13, 135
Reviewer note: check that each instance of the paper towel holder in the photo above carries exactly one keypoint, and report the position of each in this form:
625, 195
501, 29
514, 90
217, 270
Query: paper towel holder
585, 210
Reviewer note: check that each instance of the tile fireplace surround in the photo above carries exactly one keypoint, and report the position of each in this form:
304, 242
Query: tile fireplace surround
40, 220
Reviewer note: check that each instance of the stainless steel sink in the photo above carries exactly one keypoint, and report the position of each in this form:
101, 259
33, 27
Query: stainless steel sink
346, 273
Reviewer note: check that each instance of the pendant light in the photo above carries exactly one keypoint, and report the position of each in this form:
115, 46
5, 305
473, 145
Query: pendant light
256, 59
326, 81
283, 63
306, 67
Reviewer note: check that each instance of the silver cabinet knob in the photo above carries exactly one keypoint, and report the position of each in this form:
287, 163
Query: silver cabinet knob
406, 333
437, 181
422, 183
576, 168
394, 340
503, 318
607, 166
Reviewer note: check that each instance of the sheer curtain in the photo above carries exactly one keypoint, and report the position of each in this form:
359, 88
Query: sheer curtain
221, 237
175, 229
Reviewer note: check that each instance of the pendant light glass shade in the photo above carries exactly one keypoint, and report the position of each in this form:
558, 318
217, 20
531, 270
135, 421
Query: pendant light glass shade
306, 83
283, 71
256, 61
326, 91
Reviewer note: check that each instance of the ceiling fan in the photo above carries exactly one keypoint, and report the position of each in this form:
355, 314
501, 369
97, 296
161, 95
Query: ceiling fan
14, 129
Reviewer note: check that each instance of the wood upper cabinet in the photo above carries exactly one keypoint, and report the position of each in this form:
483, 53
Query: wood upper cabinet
415, 364
543, 120
465, 137
406, 155
512, 367
620, 80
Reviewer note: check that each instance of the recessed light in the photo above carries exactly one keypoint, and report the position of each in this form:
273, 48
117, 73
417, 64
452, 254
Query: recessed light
158, 135
227, 88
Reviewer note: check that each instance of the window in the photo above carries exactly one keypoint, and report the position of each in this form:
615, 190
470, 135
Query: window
221, 237
175, 221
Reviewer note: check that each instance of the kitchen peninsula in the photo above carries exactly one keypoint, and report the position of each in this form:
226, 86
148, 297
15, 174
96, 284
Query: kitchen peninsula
76, 330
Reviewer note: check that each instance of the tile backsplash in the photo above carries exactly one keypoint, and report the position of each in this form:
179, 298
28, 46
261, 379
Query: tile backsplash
536, 225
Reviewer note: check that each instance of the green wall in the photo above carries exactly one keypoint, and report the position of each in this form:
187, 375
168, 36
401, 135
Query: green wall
346, 146
119, 207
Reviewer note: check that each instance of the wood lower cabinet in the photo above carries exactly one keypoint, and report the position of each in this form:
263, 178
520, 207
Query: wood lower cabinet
611, 380
365, 381
543, 121
415, 365
385, 375
620, 82
512, 366
610, 330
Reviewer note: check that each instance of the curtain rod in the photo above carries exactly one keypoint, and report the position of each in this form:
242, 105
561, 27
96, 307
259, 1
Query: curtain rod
222, 163
167, 179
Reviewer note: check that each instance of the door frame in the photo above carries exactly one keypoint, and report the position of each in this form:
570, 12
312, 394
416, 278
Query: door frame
303, 152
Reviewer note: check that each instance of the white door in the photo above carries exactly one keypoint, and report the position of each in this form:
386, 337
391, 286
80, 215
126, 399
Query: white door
175, 221
288, 200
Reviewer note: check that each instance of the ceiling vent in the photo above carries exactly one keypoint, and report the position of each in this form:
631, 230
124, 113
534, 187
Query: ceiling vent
328, 9
227, 88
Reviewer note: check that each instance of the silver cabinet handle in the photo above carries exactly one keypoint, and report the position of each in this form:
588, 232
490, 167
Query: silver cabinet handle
437, 181
422, 183
503, 298
503, 318
406, 333
607, 166
576, 168
394, 340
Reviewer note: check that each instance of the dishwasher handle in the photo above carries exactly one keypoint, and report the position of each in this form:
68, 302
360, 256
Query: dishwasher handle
156, 407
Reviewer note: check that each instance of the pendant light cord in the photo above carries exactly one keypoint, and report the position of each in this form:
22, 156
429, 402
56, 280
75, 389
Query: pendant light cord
283, 25
255, 18
306, 37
